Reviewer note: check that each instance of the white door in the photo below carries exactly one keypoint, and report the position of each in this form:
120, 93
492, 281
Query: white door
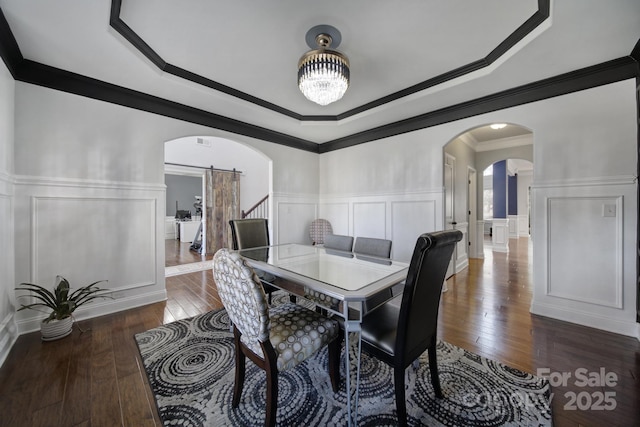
472, 215
449, 217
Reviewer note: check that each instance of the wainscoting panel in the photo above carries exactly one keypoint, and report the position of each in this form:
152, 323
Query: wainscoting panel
112, 238
338, 215
596, 223
500, 238
480, 239
294, 220
513, 226
409, 220
399, 217
584, 252
369, 220
462, 247
523, 225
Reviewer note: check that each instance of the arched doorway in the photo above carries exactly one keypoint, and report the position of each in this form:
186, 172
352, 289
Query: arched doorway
185, 163
471, 153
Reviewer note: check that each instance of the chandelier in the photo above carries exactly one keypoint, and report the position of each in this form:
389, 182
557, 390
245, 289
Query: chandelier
323, 74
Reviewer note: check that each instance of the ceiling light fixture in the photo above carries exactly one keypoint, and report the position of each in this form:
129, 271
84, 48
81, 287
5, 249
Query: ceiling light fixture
323, 74
497, 126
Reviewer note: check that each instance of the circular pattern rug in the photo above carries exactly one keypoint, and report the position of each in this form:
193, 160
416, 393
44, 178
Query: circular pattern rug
190, 366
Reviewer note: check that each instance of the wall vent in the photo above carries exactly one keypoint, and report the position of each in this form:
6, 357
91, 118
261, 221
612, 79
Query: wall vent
203, 142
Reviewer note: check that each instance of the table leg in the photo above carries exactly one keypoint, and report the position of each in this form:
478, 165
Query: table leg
352, 326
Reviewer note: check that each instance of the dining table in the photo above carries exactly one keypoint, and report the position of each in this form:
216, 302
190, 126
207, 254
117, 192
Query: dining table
343, 284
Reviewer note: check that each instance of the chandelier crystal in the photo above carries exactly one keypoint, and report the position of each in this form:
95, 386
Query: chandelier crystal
323, 74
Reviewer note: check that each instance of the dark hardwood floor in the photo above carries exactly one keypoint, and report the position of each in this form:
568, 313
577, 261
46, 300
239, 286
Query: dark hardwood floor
95, 378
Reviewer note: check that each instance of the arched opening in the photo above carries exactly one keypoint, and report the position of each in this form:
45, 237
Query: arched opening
186, 161
466, 157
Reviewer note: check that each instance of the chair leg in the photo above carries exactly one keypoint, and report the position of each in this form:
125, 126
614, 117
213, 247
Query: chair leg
272, 395
240, 370
433, 369
401, 404
334, 363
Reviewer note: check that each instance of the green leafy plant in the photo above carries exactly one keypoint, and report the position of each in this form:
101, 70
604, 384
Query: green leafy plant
62, 301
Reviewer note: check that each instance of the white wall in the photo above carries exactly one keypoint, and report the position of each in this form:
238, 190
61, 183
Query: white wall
90, 194
584, 155
390, 188
8, 331
85, 169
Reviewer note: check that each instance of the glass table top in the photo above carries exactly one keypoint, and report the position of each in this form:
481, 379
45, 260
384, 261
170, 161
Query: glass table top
351, 273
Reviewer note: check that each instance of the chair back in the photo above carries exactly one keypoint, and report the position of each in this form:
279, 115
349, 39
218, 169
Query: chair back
242, 296
373, 247
418, 318
319, 228
338, 242
249, 233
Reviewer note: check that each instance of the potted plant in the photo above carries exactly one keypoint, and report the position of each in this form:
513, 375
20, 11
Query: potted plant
62, 302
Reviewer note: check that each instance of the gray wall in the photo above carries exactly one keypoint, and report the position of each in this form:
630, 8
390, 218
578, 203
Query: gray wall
182, 189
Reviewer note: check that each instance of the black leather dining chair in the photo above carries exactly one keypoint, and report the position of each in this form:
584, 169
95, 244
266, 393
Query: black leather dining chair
253, 233
398, 335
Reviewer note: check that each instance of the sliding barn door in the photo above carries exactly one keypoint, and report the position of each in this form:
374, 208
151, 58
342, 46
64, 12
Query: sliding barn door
222, 203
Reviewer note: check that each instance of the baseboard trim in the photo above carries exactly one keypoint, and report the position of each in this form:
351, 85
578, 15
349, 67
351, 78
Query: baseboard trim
628, 328
97, 309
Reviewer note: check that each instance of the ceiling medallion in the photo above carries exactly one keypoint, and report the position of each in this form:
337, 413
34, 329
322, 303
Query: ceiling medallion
323, 74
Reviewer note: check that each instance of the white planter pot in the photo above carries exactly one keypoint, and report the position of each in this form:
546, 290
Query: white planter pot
56, 329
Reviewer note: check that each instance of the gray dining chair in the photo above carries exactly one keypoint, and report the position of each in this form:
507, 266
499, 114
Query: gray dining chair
366, 247
338, 242
398, 335
253, 233
373, 247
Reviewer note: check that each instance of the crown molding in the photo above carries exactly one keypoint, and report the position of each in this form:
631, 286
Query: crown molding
32, 72
574, 81
527, 27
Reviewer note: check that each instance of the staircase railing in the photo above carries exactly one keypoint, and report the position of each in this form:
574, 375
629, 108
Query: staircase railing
259, 210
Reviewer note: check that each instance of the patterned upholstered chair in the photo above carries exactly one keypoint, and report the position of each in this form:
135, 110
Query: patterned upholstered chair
275, 338
398, 335
319, 228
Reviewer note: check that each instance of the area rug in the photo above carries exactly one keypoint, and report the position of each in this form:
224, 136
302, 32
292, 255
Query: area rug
190, 368
193, 267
